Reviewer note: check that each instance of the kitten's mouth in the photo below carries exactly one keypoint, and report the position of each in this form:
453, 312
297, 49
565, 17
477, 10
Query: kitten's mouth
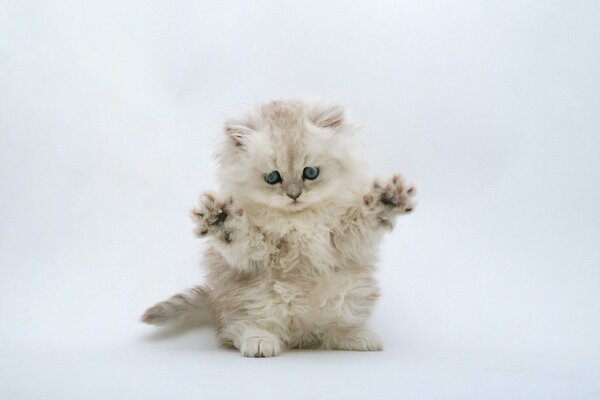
296, 204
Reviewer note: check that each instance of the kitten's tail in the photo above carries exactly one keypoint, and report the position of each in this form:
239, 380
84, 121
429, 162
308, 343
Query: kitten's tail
188, 308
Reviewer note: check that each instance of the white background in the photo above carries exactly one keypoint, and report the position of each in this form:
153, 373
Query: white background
108, 115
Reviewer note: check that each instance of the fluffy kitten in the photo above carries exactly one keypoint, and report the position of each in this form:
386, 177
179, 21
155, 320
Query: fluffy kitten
292, 236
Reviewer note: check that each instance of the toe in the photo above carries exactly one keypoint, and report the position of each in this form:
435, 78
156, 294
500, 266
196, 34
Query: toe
260, 347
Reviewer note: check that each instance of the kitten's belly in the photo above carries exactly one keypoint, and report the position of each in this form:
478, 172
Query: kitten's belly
302, 290
311, 304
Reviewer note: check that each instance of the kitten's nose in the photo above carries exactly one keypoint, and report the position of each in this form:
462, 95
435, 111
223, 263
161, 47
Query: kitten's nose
294, 194
293, 188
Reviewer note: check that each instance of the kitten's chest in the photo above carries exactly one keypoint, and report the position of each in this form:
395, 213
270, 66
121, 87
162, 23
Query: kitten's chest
303, 271
302, 249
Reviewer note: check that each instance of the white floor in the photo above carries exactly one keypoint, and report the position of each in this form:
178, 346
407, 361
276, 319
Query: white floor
108, 116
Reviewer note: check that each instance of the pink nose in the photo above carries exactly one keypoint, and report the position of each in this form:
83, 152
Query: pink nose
294, 195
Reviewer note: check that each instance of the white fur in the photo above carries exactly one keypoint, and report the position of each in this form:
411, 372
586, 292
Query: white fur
285, 273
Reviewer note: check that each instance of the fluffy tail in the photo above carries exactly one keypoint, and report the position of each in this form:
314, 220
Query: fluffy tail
188, 308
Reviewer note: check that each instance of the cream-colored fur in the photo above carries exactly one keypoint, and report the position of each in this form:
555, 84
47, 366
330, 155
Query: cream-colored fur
286, 273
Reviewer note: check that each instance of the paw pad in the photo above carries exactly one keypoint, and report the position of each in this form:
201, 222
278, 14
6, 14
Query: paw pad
211, 214
395, 194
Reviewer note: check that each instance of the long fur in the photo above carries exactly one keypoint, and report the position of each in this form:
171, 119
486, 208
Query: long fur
284, 273
189, 308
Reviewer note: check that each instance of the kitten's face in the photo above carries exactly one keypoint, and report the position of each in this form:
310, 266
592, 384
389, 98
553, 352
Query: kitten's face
289, 158
290, 175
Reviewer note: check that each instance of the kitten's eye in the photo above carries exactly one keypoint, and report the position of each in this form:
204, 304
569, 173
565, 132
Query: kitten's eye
310, 173
273, 177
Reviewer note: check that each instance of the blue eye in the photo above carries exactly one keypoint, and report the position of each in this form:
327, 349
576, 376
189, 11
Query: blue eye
310, 173
273, 177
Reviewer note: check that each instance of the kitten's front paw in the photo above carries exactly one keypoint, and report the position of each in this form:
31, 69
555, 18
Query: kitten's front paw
211, 215
393, 195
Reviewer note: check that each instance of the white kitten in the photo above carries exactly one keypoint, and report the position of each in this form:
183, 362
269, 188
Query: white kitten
293, 236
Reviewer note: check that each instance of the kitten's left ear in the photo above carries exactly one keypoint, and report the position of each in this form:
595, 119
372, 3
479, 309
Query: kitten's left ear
238, 132
327, 115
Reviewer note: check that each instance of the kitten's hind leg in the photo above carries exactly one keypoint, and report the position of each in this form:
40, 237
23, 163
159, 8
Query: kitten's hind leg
256, 342
355, 338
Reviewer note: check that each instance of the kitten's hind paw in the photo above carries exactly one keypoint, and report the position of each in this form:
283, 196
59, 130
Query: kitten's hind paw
260, 346
212, 214
258, 343
357, 340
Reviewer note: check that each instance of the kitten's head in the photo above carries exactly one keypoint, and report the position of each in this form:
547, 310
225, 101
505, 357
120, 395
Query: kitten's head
290, 156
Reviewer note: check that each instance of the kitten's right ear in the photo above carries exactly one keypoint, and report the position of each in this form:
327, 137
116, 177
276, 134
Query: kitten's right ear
238, 132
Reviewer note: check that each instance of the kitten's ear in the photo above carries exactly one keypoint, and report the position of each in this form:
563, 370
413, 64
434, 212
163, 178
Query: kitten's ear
327, 115
238, 131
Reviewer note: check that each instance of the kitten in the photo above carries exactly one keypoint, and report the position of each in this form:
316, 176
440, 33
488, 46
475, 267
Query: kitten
292, 236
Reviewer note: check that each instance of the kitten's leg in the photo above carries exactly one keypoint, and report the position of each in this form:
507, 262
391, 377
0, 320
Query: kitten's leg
256, 342
347, 327
388, 199
357, 338
362, 226
218, 218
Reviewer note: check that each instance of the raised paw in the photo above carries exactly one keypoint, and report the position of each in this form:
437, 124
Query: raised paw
212, 214
394, 195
